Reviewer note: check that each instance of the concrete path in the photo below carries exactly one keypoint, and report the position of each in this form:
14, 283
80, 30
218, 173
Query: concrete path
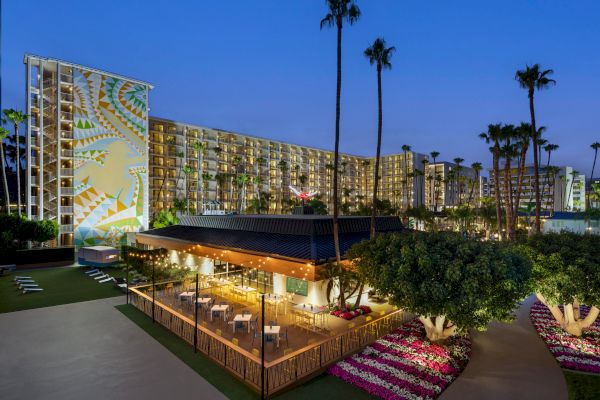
89, 350
509, 361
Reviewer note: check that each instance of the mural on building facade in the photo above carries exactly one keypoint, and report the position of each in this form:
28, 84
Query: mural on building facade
110, 157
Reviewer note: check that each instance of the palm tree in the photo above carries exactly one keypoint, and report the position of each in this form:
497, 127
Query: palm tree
242, 180
523, 137
329, 168
205, 178
200, 149
595, 146
405, 150
188, 171
380, 56
477, 167
508, 151
365, 164
434, 155
458, 168
493, 136
339, 11
532, 78
574, 173
4, 133
283, 167
17, 118
549, 148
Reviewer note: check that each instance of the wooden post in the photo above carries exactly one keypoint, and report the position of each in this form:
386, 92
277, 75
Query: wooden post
195, 302
262, 348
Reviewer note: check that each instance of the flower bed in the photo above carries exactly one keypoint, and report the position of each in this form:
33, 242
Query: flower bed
571, 352
405, 365
350, 313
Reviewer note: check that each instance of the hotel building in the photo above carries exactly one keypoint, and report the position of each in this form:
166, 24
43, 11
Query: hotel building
446, 186
560, 191
100, 166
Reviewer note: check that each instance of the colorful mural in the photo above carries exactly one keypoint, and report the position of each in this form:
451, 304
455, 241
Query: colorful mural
110, 157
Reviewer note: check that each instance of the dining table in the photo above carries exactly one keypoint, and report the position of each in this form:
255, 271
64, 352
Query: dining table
272, 330
244, 290
243, 318
312, 311
220, 308
276, 300
186, 295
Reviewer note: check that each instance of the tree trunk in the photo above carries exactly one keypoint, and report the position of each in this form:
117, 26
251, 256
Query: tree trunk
359, 295
587, 198
18, 167
435, 329
507, 201
521, 173
336, 234
570, 320
536, 172
496, 172
378, 154
6, 194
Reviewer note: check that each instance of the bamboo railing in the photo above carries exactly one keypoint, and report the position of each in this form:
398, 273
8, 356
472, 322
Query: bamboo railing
282, 372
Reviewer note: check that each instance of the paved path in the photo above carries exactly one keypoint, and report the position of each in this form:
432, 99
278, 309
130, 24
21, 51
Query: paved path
89, 350
509, 361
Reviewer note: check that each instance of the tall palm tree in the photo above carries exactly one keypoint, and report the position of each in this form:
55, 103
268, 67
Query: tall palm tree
205, 178
17, 118
380, 56
339, 11
434, 155
574, 173
365, 164
329, 168
493, 136
200, 148
405, 150
532, 78
242, 181
458, 161
549, 149
283, 167
4, 133
477, 167
508, 152
523, 138
595, 146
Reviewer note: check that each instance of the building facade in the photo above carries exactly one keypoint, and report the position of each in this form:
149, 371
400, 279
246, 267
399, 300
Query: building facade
87, 152
449, 185
100, 166
562, 189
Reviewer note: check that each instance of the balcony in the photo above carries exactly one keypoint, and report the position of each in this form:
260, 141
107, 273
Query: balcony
34, 200
66, 116
66, 78
34, 180
67, 191
66, 209
67, 228
66, 153
34, 141
66, 171
67, 97
35, 162
66, 134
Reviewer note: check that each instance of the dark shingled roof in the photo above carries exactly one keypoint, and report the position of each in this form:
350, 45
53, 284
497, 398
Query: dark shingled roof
299, 237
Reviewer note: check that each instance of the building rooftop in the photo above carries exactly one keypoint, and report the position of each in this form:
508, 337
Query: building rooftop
306, 237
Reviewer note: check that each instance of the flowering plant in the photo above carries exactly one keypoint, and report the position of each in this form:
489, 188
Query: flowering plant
350, 312
580, 353
405, 365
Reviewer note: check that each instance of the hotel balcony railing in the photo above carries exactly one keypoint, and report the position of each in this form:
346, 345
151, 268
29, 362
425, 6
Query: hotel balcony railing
66, 134
66, 116
67, 191
34, 199
67, 228
66, 97
66, 78
34, 141
34, 161
34, 121
34, 180
66, 153
66, 171
66, 209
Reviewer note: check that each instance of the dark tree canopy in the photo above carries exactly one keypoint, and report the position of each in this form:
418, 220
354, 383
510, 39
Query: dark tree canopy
470, 282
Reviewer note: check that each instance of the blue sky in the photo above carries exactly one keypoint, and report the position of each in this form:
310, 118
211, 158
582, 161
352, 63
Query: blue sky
265, 68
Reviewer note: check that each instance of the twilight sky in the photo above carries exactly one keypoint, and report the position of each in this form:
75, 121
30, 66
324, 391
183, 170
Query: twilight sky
264, 67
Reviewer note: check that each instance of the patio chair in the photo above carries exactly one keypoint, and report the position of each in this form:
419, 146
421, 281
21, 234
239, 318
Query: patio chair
32, 290
28, 285
255, 336
101, 277
21, 277
98, 273
24, 281
235, 341
108, 279
254, 323
256, 352
287, 351
91, 271
218, 332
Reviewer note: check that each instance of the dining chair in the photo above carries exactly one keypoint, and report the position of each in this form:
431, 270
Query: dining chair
235, 341
285, 337
255, 336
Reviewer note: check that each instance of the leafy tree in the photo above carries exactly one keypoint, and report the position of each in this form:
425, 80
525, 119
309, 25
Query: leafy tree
567, 272
452, 283
45, 230
339, 11
165, 218
493, 136
3, 135
318, 206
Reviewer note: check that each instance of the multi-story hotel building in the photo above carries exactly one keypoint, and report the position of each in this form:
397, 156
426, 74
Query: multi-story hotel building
449, 186
560, 190
101, 167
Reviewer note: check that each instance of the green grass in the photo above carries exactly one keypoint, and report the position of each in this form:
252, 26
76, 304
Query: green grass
61, 286
323, 386
582, 386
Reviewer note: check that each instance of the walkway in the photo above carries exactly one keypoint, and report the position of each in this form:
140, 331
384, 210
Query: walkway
509, 361
89, 350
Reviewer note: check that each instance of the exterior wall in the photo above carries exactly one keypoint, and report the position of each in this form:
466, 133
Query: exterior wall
572, 225
444, 187
86, 151
561, 192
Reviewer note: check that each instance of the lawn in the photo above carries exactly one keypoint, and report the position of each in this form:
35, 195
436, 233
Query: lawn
582, 386
61, 286
324, 386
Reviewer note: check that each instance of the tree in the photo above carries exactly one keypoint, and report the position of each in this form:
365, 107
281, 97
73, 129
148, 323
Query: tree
508, 151
522, 134
493, 136
165, 218
451, 282
283, 167
458, 161
188, 171
549, 148
532, 78
405, 150
3, 135
434, 155
567, 273
595, 146
318, 206
17, 118
378, 55
339, 11
242, 181
573, 174
477, 167
200, 148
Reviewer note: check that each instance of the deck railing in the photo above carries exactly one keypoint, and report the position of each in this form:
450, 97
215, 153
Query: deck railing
282, 372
